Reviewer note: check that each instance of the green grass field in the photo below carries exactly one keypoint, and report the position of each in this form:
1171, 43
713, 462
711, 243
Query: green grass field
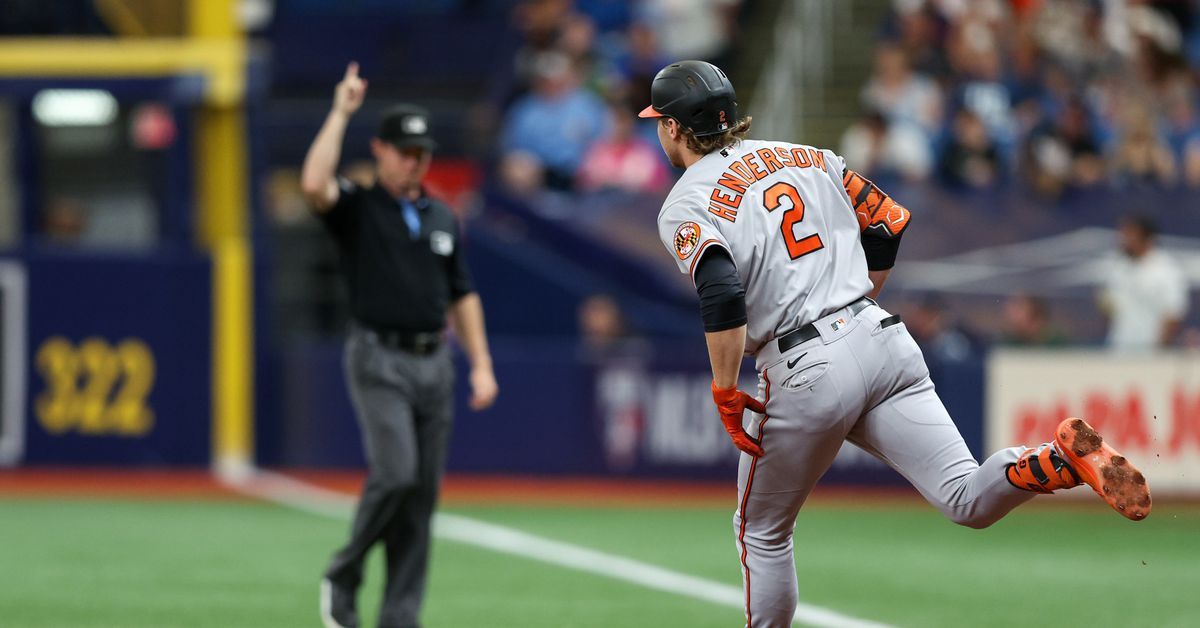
130, 563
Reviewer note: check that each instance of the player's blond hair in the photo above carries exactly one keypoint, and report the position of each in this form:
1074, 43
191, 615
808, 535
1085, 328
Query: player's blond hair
709, 143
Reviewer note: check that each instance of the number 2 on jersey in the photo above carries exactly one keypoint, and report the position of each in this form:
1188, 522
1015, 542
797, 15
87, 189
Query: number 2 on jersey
772, 200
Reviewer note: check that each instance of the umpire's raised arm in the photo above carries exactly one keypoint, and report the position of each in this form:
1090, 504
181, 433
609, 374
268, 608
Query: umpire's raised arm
317, 180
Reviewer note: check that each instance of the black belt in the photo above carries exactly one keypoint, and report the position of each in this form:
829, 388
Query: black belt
419, 342
809, 331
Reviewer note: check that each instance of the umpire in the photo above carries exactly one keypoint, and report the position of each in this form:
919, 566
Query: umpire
402, 258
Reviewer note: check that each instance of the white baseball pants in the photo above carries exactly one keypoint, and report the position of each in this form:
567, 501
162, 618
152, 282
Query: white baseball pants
866, 383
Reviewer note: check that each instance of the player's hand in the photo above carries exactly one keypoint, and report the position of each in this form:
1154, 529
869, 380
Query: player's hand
349, 94
483, 388
732, 403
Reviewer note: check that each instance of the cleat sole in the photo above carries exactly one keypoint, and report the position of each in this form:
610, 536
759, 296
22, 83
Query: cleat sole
1101, 467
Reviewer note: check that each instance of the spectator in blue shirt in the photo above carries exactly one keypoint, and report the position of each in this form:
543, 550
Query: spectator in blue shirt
1182, 130
548, 131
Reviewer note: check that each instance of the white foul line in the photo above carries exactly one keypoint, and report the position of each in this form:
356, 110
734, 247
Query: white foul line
300, 495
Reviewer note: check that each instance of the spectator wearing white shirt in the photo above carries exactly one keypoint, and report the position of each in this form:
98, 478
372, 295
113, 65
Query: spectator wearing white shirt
875, 148
692, 29
902, 95
1145, 293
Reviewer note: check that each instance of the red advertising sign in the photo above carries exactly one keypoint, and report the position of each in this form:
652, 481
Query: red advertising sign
1146, 405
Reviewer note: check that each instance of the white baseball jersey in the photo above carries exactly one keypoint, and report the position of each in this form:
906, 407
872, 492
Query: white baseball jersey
783, 214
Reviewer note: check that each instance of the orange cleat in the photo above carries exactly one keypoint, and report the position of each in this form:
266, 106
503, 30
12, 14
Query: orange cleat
1113, 478
1041, 470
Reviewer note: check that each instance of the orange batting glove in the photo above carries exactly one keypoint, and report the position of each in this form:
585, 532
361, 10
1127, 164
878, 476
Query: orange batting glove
731, 403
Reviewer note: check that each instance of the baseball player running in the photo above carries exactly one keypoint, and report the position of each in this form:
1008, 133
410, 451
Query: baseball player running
788, 249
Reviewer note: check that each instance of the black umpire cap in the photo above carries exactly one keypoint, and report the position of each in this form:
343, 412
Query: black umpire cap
695, 93
405, 126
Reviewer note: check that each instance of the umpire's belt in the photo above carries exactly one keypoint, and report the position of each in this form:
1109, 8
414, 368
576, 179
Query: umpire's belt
419, 342
809, 331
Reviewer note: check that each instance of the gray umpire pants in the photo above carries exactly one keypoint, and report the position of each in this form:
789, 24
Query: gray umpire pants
866, 383
405, 404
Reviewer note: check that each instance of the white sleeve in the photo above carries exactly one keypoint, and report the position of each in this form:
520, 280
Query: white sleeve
687, 230
1175, 292
835, 165
1106, 281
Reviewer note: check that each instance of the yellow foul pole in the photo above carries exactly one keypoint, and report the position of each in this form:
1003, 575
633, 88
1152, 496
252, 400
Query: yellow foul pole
223, 223
215, 49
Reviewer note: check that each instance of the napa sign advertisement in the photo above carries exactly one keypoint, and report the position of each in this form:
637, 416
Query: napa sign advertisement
1146, 405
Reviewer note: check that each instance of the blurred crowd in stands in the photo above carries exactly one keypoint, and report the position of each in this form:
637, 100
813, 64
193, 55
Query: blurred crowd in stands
564, 111
1046, 95
1058, 94
1043, 95
1055, 94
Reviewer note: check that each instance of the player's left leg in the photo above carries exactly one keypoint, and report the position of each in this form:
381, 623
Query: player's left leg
912, 432
908, 428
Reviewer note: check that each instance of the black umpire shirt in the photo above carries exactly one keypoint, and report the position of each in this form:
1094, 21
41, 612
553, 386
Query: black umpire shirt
396, 282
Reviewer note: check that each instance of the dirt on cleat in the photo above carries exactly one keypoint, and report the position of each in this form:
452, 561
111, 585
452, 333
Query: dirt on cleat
1101, 467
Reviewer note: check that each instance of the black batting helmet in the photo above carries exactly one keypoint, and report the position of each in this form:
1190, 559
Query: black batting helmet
697, 94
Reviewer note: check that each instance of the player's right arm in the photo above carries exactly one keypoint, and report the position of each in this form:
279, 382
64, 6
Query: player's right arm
318, 180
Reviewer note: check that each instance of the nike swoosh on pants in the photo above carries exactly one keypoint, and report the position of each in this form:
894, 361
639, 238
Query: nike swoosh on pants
792, 363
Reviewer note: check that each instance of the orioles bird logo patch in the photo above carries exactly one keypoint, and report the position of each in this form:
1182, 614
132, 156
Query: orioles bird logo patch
687, 236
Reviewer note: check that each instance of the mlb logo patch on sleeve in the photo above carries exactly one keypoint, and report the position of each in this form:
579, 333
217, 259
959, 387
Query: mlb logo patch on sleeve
442, 243
687, 236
